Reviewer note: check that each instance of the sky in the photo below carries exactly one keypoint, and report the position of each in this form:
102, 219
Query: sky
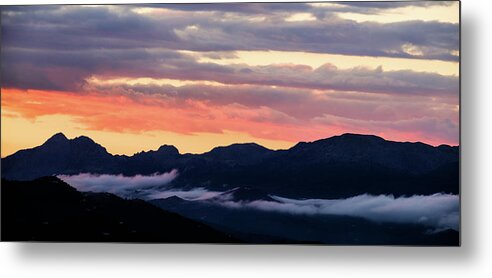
197, 76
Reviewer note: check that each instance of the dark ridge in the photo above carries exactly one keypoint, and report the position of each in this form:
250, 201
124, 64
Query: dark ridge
336, 167
239, 147
359, 137
48, 209
174, 199
172, 202
247, 194
83, 140
238, 154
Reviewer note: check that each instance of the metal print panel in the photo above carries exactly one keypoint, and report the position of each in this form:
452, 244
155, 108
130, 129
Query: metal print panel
255, 123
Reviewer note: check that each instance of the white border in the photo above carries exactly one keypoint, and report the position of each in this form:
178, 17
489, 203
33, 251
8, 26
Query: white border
473, 259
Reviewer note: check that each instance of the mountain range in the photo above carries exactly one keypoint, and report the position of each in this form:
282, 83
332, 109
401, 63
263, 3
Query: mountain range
36, 205
336, 167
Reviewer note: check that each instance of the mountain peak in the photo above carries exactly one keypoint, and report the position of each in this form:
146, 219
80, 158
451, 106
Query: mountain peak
359, 136
84, 139
239, 147
85, 144
247, 194
242, 153
57, 138
352, 139
346, 138
168, 150
174, 199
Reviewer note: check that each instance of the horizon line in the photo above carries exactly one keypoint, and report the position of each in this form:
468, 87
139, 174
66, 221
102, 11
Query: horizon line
225, 146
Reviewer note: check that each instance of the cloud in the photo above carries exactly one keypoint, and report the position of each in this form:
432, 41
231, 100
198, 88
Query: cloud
219, 28
271, 8
352, 105
375, 7
440, 211
68, 70
294, 117
193, 194
123, 186
60, 48
433, 118
243, 8
429, 129
156, 186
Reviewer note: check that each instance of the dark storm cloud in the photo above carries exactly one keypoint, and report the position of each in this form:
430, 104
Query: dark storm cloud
374, 7
328, 77
58, 47
246, 8
68, 69
24, 68
269, 8
75, 27
434, 40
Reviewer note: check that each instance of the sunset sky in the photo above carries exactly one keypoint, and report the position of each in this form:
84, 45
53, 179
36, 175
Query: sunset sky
203, 75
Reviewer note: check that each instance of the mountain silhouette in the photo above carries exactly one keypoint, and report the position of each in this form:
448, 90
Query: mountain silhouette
57, 155
48, 209
241, 154
339, 166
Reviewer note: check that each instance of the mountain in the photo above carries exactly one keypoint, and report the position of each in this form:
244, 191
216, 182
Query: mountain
47, 209
58, 155
336, 167
415, 158
238, 154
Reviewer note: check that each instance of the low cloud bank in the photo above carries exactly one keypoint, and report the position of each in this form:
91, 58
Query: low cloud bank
195, 194
123, 186
438, 210
149, 187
